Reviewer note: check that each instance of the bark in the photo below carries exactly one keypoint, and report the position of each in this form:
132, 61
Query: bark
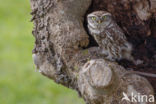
65, 52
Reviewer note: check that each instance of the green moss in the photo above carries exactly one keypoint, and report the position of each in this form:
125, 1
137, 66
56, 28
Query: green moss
76, 67
85, 52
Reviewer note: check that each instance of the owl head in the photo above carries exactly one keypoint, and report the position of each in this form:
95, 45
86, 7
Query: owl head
99, 19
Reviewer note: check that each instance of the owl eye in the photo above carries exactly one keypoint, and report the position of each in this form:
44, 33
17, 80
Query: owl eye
104, 17
93, 18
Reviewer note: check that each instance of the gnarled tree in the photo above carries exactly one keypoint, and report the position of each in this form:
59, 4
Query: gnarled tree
67, 54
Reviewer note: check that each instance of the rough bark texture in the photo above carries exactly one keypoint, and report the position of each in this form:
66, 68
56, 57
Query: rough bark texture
67, 54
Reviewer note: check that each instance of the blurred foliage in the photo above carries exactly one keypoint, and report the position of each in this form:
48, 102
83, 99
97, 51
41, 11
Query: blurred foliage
19, 83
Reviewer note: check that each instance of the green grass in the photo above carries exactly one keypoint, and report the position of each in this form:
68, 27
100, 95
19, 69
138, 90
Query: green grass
19, 83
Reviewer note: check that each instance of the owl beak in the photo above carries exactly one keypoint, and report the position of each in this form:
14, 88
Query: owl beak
99, 21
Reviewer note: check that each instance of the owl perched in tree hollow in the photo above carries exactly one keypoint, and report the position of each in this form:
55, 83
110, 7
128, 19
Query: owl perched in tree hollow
109, 36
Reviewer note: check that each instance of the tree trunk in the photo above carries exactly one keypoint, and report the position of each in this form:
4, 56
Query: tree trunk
65, 52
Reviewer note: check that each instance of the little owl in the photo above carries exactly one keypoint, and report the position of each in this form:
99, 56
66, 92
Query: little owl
109, 36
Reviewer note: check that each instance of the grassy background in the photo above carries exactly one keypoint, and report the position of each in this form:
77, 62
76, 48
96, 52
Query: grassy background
19, 83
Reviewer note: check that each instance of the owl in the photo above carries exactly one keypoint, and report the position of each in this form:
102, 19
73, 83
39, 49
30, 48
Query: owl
109, 36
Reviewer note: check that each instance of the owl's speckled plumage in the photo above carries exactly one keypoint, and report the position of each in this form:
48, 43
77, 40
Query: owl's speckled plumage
109, 36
